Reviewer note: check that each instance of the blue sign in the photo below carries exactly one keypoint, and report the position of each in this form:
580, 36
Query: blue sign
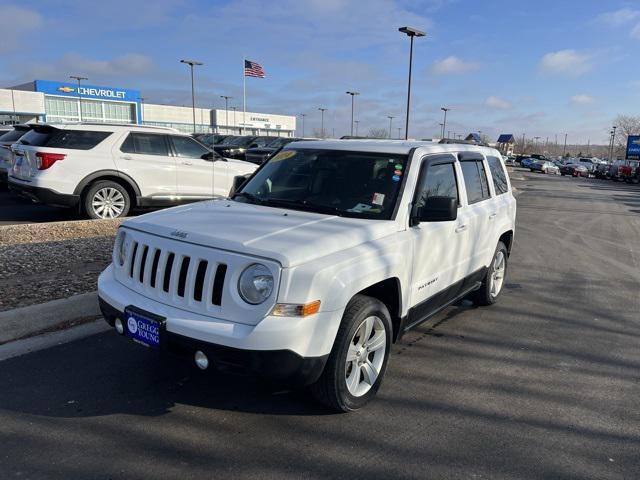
633, 147
64, 89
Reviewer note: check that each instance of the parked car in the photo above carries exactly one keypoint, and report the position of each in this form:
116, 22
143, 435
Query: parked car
575, 170
8, 138
211, 139
601, 171
590, 163
510, 160
544, 167
318, 263
526, 162
615, 170
520, 158
260, 154
105, 170
238, 146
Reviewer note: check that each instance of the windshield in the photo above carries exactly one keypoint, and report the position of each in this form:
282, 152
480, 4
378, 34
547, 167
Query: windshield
280, 142
353, 184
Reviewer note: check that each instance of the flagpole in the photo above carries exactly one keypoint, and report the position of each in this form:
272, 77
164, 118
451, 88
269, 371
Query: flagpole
244, 92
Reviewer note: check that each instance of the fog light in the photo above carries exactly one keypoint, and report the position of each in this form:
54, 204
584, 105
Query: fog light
201, 360
119, 326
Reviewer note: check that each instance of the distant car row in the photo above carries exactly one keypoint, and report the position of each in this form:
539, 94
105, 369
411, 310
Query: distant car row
250, 148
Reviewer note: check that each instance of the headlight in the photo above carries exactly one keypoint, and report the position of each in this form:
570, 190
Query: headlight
255, 284
121, 247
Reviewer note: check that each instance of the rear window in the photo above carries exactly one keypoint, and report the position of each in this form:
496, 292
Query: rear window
13, 135
475, 180
57, 138
146, 144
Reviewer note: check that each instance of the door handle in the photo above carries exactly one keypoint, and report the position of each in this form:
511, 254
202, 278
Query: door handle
492, 216
461, 228
126, 157
185, 162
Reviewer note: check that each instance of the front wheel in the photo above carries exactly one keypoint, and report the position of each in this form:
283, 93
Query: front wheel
106, 199
493, 281
358, 360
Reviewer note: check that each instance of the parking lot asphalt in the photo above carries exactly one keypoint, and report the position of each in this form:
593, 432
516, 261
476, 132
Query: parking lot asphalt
15, 210
544, 384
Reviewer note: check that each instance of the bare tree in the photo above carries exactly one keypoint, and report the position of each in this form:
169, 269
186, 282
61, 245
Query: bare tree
378, 133
627, 125
320, 133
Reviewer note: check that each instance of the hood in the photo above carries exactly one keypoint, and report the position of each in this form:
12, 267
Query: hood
290, 237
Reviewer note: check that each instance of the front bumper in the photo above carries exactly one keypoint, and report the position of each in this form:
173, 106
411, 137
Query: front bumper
291, 351
44, 195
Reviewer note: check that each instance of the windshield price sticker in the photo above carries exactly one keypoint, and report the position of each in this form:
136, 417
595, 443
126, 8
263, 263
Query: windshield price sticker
378, 198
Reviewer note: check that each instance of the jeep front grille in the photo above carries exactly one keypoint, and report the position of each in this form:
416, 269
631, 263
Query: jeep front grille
176, 274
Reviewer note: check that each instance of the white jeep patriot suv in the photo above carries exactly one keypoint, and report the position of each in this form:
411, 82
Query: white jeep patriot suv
326, 255
104, 170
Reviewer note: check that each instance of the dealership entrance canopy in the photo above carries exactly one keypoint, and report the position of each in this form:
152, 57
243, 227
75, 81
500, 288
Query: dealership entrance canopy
49, 101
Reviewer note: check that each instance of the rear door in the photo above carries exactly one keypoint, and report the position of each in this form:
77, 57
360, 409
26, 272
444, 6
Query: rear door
481, 211
146, 158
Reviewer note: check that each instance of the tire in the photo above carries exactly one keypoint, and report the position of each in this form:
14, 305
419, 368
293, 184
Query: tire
331, 389
486, 295
112, 196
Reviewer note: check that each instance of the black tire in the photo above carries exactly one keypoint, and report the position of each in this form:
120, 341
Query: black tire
123, 203
483, 296
331, 388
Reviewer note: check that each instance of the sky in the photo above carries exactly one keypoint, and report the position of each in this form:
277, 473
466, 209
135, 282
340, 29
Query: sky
539, 67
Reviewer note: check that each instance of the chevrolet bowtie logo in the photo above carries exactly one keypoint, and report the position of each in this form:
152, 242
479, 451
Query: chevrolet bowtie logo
66, 89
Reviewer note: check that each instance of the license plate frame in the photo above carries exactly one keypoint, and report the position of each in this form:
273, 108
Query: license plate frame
143, 327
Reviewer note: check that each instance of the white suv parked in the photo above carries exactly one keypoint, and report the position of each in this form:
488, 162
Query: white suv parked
324, 257
105, 170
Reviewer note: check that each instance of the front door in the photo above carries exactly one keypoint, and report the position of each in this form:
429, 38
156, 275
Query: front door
438, 253
201, 174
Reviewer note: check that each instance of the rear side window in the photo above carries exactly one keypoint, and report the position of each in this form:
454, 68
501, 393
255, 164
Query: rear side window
63, 138
13, 135
145, 144
186, 147
475, 180
498, 174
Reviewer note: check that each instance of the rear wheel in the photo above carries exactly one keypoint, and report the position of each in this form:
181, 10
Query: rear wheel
493, 282
106, 199
358, 360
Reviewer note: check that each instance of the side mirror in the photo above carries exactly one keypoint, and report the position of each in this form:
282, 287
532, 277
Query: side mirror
238, 182
438, 209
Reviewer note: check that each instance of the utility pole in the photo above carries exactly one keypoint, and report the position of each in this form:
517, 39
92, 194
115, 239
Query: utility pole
191, 64
411, 32
226, 110
353, 94
303, 115
79, 79
390, 122
322, 110
357, 122
564, 149
444, 122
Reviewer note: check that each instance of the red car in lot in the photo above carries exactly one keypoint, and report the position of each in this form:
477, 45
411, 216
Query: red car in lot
574, 170
630, 171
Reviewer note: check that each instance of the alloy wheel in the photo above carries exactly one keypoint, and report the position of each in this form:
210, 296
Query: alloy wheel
365, 356
497, 276
108, 202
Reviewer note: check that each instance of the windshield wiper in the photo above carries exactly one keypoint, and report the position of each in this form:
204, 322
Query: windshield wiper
249, 196
303, 205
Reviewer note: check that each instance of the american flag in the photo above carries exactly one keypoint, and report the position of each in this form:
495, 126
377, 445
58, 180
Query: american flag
253, 69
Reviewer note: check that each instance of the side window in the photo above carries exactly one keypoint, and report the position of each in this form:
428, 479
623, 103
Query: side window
186, 147
437, 181
145, 144
498, 174
475, 180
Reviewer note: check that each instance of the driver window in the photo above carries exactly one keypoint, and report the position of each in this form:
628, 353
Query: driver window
437, 181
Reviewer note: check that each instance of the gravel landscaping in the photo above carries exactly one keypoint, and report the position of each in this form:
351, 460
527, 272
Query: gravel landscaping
42, 262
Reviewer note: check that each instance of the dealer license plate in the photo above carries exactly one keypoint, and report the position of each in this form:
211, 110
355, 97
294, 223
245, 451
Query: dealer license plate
143, 327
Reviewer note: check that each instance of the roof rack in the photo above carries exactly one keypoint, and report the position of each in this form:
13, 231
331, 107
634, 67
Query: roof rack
462, 142
105, 124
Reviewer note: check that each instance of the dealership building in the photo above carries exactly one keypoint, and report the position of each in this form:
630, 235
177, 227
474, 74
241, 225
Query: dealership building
49, 101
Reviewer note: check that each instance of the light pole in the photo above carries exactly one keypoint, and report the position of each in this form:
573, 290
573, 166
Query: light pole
441, 130
226, 110
411, 32
523, 143
353, 94
191, 64
303, 115
564, 149
444, 123
357, 122
613, 142
536, 142
390, 123
322, 110
399, 133
234, 118
79, 79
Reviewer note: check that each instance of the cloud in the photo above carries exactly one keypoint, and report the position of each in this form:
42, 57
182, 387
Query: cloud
582, 99
452, 66
618, 17
497, 102
566, 62
15, 22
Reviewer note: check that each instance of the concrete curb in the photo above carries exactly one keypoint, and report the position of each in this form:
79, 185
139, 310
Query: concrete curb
46, 317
